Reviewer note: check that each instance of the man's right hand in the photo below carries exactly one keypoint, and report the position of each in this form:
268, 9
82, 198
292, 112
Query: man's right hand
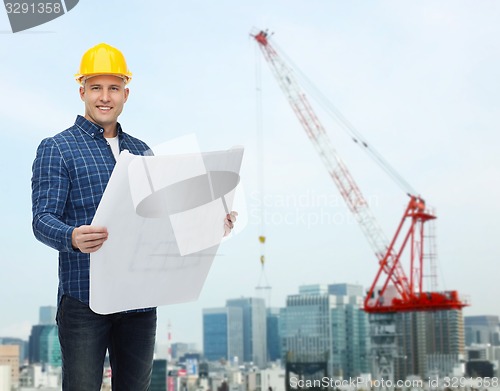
88, 238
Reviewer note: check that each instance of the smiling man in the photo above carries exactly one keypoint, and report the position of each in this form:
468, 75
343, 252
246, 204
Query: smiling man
70, 172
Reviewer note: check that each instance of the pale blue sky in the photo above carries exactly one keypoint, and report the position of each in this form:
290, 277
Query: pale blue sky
418, 78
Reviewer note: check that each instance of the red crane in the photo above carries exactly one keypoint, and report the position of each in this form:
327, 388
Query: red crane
391, 290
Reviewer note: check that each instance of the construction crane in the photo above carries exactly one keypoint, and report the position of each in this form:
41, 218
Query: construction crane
392, 290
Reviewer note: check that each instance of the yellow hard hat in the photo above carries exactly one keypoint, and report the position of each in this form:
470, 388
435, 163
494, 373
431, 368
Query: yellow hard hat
103, 59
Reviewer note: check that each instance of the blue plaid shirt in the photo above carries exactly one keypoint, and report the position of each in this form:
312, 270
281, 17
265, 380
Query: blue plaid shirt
70, 172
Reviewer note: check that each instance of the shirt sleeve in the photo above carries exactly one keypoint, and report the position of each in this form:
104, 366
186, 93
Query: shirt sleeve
50, 185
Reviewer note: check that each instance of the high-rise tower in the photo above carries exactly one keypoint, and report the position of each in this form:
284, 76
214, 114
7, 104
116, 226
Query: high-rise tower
254, 328
223, 334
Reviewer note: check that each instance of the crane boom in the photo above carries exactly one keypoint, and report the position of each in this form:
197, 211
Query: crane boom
409, 291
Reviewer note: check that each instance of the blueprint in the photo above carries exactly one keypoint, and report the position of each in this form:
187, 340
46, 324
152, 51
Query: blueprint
165, 220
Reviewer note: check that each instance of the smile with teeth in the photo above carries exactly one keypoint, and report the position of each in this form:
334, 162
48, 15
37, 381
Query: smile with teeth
104, 108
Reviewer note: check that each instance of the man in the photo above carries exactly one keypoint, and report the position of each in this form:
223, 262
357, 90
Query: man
70, 173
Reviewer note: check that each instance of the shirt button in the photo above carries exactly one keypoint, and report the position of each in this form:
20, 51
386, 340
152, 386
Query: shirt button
102, 130
92, 134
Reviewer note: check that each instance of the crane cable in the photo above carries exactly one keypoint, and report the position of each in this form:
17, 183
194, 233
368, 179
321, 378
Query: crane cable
263, 283
345, 125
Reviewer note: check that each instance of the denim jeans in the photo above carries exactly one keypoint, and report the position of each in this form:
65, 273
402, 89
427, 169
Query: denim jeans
85, 336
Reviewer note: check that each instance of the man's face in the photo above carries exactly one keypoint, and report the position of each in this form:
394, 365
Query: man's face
104, 97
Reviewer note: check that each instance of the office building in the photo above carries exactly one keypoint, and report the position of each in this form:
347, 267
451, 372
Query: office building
350, 330
9, 357
306, 327
346, 290
41, 377
223, 334
254, 329
182, 349
313, 289
482, 329
5, 377
273, 334
179, 349
23, 346
44, 347
47, 315
159, 376
319, 326
430, 343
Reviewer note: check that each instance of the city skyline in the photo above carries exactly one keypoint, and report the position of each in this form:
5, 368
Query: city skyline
418, 79
317, 319
332, 289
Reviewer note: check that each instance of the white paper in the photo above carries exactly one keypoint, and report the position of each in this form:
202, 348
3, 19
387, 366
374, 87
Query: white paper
165, 219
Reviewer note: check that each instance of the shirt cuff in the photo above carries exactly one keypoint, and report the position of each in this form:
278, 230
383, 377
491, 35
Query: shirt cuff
67, 236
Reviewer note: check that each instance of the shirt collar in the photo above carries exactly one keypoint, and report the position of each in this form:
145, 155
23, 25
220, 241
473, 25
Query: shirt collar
92, 129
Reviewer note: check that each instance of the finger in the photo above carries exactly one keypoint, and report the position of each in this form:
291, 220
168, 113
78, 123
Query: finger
91, 249
91, 229
94, 237
233, 215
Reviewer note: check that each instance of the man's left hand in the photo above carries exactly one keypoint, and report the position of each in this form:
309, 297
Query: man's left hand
229, 222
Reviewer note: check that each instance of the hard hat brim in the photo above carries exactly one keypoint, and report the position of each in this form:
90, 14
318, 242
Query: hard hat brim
80, 79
